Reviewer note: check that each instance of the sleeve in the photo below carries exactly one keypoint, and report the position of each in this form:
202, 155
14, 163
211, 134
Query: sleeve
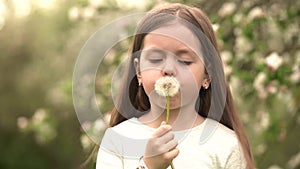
236, 159
109, 154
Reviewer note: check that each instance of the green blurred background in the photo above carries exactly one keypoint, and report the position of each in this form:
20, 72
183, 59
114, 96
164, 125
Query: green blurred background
40, 41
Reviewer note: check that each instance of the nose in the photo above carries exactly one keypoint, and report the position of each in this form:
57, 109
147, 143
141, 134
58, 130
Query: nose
169, 68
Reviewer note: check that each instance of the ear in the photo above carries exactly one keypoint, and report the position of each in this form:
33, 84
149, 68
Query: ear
206, 82
137, 68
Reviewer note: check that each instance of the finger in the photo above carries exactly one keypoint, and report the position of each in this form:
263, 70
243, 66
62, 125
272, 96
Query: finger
170, 145
161, 130
170, 155
168, 136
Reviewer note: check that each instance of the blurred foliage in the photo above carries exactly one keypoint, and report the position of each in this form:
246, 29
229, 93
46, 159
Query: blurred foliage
39, 43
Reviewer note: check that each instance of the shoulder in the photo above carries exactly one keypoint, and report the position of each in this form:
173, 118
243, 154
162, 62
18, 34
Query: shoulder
223, 145
216, 133
221, 129
131, 128
126, 139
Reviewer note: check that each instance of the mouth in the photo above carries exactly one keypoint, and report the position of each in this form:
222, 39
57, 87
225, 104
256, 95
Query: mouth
172, 99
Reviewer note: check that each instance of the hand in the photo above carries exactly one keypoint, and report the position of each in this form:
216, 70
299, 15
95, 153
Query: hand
161, 148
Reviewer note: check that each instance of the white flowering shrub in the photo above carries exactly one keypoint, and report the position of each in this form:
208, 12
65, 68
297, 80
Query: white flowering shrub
42, 124
259, 43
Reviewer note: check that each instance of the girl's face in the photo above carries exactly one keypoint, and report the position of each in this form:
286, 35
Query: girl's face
172, 51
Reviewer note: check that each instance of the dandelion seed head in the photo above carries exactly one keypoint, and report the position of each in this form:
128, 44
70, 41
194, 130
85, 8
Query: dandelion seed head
167, 86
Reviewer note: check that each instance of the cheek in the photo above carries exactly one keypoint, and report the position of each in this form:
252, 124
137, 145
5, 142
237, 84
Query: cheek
193, 79
148, 81
191, 84
148, 88
199, 76
189, 89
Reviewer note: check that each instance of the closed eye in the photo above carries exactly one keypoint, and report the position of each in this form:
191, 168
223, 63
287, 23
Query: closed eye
155, 60
185, 62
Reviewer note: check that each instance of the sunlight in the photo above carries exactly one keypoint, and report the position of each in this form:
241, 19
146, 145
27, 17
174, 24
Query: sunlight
132, 3
3, 14
22, 8
45, 4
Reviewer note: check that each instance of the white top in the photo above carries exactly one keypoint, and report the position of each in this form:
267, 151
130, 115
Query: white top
208, 145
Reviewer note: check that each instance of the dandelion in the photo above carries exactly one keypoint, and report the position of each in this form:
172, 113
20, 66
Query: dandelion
168, 87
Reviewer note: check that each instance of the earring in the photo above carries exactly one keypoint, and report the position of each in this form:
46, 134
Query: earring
140, 83
205, 86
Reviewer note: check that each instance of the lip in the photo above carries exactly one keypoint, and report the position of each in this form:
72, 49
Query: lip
173, 98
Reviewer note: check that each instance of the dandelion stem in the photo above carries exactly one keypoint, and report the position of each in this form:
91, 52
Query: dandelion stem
172, 165
168, 109
167, 121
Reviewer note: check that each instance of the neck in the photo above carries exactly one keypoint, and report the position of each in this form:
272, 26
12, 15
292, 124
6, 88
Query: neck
180, 119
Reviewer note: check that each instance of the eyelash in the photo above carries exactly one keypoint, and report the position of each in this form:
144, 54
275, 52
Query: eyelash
180, 61
185, 62
155, 60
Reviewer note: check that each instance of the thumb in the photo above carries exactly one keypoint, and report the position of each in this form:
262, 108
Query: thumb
163, 123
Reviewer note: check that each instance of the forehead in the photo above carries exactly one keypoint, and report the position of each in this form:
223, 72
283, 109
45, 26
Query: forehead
176, 33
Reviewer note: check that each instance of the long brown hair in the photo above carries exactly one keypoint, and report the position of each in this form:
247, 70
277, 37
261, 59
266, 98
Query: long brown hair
133, 101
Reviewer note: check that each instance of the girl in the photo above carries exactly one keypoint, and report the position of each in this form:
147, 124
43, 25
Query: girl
204, 129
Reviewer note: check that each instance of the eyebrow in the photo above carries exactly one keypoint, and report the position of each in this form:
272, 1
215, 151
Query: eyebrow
156, 50
183, 51
178, 52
